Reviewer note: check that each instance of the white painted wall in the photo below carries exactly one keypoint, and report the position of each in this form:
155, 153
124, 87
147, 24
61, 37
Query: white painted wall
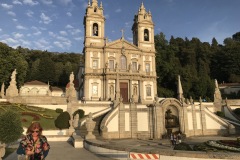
127, 122
113, 124
142, 121
53, 107
190, 121
212, 124
198, 119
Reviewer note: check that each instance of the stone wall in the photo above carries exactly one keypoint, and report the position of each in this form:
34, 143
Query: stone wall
38, 100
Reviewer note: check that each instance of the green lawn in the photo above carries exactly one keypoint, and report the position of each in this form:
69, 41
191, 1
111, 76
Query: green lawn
46, 117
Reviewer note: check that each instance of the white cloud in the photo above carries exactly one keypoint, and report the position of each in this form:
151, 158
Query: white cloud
17, 2
118, 10
63, 42
128, 24
78, 38
14, 19
62, 38
21, 27
10, 41
42, 44
66, 2
69, 14
5, 36
0, 29
63, 45
17, 35
25, 43
69, 26
45, 19
6, 6
30, 2
52, 34
106, 16
58, 44
11, 13
63, 33
75, 31
37, 33
47, 2
29, 13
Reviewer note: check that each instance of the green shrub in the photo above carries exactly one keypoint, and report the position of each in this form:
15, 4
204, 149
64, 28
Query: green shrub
220, 114
10, 127
80, 112
62, 121
182, 146
59, 110
237, 111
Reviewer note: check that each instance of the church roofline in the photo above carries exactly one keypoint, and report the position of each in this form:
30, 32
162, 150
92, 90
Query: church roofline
109, 44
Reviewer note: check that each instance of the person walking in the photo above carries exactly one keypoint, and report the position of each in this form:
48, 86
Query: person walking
174, 139
179, 137
171, 139
34, 145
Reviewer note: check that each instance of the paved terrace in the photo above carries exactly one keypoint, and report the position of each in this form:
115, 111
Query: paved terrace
121, 149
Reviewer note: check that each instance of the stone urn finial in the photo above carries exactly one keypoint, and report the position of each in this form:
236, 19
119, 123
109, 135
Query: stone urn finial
90, 125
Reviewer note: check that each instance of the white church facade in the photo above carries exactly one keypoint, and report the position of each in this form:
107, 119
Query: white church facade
118, 69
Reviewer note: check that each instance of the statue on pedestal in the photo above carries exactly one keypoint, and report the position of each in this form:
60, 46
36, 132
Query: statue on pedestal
12, 90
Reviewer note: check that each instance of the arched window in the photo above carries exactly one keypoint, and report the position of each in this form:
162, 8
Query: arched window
146, 35
95, 29
95, 9
123, 62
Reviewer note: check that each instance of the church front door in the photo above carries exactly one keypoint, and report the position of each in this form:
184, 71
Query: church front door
124, 91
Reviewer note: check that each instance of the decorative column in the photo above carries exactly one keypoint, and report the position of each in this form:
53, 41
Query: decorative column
117, 95
2, 150
90, 125
203, 118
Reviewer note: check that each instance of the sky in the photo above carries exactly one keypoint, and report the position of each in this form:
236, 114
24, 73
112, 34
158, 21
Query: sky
57, 25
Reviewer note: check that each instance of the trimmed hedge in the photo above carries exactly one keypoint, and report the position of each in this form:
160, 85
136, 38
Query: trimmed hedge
59, 110
10, 127
62, 121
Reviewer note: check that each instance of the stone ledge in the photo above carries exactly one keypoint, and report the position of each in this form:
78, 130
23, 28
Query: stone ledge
77, 141
152, 149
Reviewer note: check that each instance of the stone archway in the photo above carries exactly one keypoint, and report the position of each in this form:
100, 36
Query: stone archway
176, 113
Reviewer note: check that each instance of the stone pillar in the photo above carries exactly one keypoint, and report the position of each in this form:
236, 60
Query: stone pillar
140, 84
121, 120
133, 116
86, 88
90, 125
203, 118
2, 150
117, 94
194, 119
